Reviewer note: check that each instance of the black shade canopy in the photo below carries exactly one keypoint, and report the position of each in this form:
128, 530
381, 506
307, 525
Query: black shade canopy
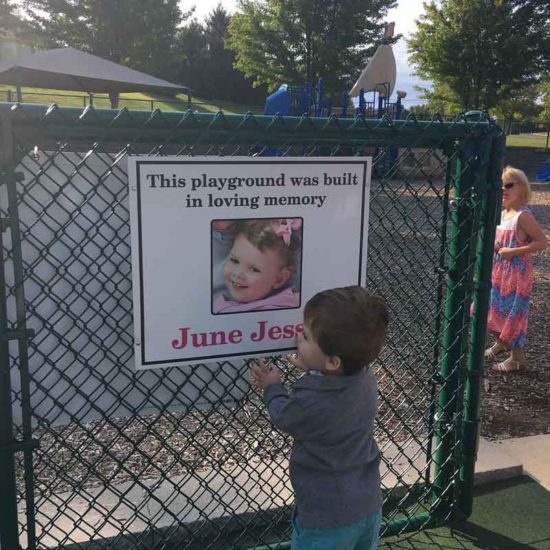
70, 69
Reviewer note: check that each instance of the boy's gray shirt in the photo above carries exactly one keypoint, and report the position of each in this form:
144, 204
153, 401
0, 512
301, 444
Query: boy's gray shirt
335, 462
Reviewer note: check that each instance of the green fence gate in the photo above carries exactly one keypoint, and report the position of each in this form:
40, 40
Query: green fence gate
94, 454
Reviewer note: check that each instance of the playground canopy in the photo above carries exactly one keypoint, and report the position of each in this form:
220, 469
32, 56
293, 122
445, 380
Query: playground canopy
71, 69
379, 75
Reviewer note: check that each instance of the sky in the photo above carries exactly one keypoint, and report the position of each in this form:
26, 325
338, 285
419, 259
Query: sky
404, 16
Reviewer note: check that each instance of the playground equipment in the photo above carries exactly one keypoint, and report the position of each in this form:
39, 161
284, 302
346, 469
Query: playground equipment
299, 100
378, 77
543, 175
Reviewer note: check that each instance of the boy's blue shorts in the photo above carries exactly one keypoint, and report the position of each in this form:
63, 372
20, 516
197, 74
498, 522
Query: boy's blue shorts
362, 535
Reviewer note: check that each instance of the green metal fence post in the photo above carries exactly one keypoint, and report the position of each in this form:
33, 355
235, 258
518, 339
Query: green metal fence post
439, 301
462, 217
490, 210
22, 334
8, 501
9, 539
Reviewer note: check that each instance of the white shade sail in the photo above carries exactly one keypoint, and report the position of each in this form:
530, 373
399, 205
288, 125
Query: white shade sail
380, 69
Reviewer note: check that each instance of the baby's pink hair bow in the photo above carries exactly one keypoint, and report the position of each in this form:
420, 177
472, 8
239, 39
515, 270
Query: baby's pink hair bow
285, 227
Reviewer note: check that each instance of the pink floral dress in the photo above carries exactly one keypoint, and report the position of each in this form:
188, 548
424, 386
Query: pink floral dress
512, 282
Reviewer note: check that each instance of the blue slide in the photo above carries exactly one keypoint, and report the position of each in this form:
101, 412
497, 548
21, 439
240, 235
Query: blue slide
278, 102
544, 172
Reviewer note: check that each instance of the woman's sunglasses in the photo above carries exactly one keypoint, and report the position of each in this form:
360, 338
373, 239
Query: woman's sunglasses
509, 185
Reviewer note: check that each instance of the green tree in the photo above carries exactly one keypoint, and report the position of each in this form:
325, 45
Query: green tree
224, 81
544, 88
137, 33
7, 16
481, 50
293, 41
421, 112
520, 105
206, 65
191, 51
11, 24
440, 99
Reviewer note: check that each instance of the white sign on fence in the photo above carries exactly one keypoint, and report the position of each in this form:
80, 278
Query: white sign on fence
226, 251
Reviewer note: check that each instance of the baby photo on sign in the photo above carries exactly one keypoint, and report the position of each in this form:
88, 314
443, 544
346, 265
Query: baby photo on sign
256, 264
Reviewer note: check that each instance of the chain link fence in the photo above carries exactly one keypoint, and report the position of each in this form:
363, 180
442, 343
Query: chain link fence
94, 454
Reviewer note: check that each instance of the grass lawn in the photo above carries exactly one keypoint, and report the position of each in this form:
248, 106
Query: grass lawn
134, 101
526, 140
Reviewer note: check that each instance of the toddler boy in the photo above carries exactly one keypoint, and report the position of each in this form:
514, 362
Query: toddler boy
334, 463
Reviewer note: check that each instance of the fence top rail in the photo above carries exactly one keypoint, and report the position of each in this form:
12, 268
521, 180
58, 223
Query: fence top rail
110, 124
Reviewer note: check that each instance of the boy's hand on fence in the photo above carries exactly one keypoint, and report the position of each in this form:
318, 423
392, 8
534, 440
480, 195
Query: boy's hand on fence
262, 376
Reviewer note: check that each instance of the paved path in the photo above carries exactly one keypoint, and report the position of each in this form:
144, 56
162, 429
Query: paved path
534, 453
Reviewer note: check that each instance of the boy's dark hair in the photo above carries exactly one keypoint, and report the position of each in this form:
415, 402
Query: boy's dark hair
348, 323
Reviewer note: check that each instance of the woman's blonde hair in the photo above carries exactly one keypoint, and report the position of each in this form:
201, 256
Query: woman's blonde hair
519, 177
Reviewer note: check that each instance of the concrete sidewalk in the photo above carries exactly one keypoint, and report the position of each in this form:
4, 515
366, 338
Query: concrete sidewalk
533, 453
495, 465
